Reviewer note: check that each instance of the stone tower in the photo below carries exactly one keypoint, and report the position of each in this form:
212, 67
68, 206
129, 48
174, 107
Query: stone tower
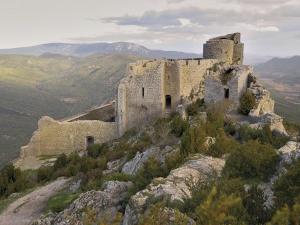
227, 48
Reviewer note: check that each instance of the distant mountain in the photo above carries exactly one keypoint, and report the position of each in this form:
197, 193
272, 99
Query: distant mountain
282, 77
82, 50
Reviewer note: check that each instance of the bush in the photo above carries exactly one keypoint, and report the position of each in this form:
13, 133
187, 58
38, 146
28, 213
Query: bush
252, 160
247, 102
287, 187
264, 136
223, 145
44, 174
178, 125
192, 140
218, 208
96, 150
61, 161
194, 107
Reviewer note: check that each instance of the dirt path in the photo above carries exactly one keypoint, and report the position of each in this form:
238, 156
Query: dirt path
28, 208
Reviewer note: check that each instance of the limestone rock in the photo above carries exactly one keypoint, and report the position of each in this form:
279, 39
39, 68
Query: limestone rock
176, 186
134, 165
114, 166
102, 203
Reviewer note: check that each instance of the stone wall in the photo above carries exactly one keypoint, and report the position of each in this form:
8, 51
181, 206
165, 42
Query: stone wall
142, 93
192, 75
54, 138
236, 83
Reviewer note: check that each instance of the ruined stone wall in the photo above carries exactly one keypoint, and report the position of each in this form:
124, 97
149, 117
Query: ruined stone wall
54, 138
192, 75
137, 109
237, 84
104, 113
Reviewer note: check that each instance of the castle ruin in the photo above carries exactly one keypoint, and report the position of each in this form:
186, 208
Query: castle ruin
149, 90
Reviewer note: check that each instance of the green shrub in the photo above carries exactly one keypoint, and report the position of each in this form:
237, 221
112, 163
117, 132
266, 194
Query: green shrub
252, 160
223, 145
264, 136
247, 102
192, 140
44, 173
96, 150
61, 161
287, 187
218, 208
194, 107
178, 125
254, 202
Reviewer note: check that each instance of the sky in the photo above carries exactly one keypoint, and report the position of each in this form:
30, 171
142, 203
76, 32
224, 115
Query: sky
268, 27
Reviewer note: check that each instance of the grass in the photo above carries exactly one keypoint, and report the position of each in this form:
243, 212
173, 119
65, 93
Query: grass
60, 201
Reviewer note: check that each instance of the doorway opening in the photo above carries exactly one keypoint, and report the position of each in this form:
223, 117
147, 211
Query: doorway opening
226, 93
90, 140
168, 101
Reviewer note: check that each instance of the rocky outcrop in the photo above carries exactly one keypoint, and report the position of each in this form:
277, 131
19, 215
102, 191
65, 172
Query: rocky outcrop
275, 122
264, 102
176, 186
272, 120
134, 165
288, 153
101, 203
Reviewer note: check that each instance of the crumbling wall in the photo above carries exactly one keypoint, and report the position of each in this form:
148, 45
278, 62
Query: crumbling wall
232, 78
54, 138
192, 75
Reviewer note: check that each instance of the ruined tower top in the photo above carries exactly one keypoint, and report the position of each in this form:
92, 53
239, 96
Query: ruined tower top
227, 48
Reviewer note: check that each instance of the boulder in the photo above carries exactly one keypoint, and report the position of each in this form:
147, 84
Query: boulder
102, 203
176, 187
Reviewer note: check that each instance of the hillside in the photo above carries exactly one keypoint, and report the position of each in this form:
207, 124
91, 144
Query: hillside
83, 50
282, 77
53, 85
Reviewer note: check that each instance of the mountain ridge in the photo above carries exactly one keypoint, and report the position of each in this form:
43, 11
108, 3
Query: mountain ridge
87, 49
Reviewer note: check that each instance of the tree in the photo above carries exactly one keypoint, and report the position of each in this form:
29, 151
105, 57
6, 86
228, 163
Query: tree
247, 102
